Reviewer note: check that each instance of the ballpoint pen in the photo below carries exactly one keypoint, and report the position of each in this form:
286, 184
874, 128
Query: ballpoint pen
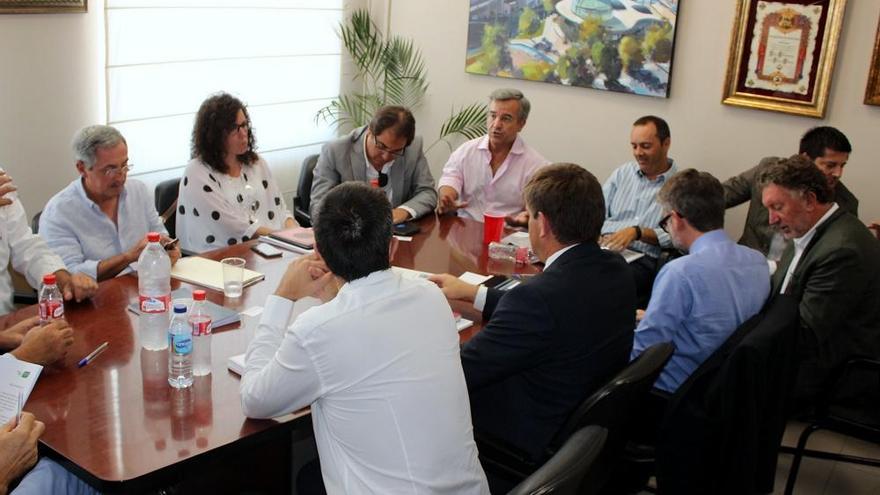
88, 359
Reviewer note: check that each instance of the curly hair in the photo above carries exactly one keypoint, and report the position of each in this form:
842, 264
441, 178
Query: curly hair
214, 121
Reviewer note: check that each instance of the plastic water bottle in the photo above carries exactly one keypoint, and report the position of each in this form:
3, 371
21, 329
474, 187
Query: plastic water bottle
200, 322
51, 302
180, 343
154, 287
509, 252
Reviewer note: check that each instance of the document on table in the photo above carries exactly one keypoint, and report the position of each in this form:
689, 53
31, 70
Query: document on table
17, 379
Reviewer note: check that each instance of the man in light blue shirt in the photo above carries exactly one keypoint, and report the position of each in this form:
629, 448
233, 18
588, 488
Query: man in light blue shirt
631, 209
700, 299
98, 224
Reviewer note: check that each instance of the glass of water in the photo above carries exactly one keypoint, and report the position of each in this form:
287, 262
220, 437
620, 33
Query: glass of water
233, 273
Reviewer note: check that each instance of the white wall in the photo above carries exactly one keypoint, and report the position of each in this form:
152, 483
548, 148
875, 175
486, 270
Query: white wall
51, 83
591, 127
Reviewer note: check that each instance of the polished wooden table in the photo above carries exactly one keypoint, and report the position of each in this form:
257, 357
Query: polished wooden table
117, 423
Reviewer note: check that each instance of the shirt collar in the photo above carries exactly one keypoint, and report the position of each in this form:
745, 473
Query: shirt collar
374, 278
553, 257
708, 239
518, 147
802, 241
81, 192
660, 177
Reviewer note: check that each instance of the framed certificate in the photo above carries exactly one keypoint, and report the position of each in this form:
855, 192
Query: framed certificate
782, 55
872, 93
41, 6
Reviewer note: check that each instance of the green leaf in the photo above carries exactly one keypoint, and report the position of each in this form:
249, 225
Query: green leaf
468, 122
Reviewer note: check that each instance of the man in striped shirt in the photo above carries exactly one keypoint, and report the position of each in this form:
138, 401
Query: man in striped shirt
632, 212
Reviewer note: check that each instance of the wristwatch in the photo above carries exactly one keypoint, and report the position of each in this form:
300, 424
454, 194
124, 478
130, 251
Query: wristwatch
638, 232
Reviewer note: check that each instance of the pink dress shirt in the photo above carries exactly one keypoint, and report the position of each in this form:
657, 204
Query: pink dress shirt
469, 173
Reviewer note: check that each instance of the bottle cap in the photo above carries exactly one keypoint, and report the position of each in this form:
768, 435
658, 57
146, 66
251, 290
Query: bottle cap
199, 295
153, 237
179, 308
49, 279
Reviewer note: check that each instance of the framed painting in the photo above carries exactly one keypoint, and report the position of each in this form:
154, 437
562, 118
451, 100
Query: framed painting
42, 6
614, 45
872, 92
782, 55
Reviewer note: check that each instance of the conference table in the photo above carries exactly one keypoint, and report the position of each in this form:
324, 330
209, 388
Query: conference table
118, 425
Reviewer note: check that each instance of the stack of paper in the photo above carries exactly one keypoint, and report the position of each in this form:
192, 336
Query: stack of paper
208, 273
17, 380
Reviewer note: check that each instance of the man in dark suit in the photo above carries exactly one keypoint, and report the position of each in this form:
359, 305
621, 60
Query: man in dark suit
827, 148
548, 343
386, 154
833, 268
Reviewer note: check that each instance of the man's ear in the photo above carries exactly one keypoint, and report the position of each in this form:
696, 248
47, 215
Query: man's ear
544, 228
80, 167
392, 247
810, 200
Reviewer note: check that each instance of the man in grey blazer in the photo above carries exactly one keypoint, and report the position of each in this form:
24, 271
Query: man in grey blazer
386, 154
832, 266
827, 148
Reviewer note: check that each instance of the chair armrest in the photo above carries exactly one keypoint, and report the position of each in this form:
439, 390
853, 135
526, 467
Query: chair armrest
504, 457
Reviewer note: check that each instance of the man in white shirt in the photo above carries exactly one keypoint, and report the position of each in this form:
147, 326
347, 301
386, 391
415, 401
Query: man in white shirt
378, 361
29, 254
98, 224
832, 267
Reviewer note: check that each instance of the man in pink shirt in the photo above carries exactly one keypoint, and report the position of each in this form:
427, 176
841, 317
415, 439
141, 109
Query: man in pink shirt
487, 174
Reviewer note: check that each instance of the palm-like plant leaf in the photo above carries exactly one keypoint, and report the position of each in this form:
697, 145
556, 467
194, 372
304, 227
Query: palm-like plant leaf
364, 42
405, 75
468, 122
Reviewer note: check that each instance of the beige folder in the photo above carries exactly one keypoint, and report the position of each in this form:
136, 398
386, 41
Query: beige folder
208, 273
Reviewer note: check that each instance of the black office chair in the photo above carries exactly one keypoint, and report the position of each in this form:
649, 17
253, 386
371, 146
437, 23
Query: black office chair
166, 203
35, 222
566, 471
302, 201
857, 416
723, 426
612, 407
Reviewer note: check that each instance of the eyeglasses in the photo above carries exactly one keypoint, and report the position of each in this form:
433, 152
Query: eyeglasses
665, 220
384, 149
246, 125
114, 170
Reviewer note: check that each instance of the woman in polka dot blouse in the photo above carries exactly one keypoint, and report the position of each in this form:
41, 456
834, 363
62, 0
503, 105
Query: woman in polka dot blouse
227, 194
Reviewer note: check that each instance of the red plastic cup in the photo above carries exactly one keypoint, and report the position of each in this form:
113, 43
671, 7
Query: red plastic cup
493, 226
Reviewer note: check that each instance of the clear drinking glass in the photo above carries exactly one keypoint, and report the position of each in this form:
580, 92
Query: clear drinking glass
233, 273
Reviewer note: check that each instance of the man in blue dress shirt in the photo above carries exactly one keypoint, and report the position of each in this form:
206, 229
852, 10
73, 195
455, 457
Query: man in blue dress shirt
98, 224
700, 299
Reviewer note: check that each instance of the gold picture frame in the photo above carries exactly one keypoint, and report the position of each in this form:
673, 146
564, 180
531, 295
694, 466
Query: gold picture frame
872, 92
782, 55
42, 6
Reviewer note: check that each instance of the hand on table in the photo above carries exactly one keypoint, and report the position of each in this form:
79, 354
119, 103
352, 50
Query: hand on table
619, 240
12, 337
77, 287
447, 200
399, 215
46, 344
454, 288
18, 448
521, 219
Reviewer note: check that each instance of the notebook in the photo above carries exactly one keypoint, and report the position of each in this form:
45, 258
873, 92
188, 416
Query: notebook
301, 237
220, 315
236, 364
208, 273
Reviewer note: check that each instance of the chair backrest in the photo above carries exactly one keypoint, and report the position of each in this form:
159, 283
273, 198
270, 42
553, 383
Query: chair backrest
166, 203
734, 406
564, 473
302, 201
35, 223
613, 405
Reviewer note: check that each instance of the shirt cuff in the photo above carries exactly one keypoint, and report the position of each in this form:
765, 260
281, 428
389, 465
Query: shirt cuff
412, 213
276, 313
480, 300
449, 182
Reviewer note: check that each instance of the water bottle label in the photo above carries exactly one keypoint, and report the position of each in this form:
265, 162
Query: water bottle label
155, 304
181, 344
51, 309
201, 326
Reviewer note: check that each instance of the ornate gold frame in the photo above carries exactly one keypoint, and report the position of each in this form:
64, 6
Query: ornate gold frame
740, 41
872, 92
42, 6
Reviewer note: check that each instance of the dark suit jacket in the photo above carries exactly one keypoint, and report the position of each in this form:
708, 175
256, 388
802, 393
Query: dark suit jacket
757, 232
547, 344
343, 160
837, 282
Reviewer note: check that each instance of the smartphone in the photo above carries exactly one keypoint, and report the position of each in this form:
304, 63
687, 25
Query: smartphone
266, 250
406, 229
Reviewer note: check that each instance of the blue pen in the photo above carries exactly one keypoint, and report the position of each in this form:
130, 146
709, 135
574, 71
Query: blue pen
88, 359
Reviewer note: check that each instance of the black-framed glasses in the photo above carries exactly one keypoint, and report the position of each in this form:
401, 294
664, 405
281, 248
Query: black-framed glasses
664, 221
385, 149
246, 125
